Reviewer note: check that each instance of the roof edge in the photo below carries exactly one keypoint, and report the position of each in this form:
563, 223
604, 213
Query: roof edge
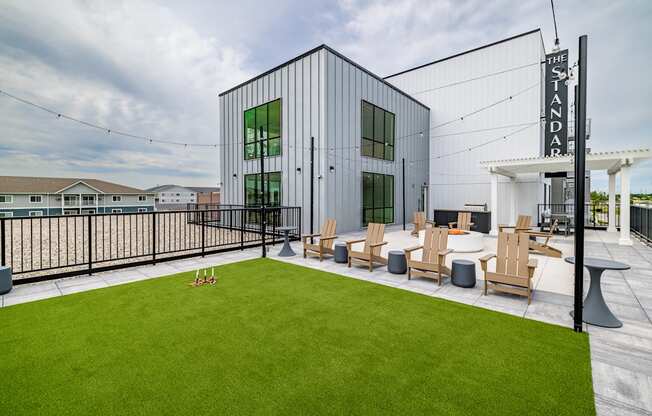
465, 52
339, 55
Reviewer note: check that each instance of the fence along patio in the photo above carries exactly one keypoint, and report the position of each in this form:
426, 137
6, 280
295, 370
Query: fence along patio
48, 247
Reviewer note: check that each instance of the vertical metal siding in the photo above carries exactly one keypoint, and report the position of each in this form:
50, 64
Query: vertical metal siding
321, 96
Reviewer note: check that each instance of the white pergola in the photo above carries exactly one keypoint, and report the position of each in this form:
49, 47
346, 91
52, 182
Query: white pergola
612, 162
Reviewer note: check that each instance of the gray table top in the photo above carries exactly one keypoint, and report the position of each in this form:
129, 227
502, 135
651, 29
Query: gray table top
597, 263
286, 228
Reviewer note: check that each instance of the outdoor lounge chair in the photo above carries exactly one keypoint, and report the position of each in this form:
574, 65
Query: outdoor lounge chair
543, 248
420, 222
324, 245
522, 224
514, 268
463, 221
433, 259
370, 254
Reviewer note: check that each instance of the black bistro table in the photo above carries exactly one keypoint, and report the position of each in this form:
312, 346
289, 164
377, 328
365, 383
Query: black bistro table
286, 250
596, 311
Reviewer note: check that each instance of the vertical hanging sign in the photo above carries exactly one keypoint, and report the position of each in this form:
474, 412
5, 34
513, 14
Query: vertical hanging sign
556, 136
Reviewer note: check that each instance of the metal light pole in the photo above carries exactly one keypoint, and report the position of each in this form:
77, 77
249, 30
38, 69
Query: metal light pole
403, 183
263, 219
580, 169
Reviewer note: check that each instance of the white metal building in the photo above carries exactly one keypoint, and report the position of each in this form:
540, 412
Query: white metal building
475, 97
363, 128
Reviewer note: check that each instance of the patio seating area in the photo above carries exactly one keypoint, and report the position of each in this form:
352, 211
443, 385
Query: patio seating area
620, 358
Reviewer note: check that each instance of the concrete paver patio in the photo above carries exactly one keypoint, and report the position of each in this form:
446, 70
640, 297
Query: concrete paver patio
621, 358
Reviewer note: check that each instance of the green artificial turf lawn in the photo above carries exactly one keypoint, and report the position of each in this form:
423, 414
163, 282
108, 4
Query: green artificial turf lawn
274, 338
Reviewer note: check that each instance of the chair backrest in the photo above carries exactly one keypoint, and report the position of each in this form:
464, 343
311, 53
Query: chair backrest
512, 255
523, 221
375, 234
420, 219
435, 240
464, 220
327, 230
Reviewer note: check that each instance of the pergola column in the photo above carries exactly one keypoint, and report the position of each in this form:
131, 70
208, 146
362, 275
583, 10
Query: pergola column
494, 204
512, 200
625, 239
612, 203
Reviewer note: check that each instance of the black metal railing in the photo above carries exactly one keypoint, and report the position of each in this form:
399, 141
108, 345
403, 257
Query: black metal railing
47, 247
596, 215
641, 221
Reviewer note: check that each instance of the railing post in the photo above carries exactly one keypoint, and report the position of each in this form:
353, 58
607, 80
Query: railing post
203, 232
153, 237
3, 254
90, 247
242, 214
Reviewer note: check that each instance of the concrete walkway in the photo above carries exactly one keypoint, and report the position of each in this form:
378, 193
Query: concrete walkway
621, 359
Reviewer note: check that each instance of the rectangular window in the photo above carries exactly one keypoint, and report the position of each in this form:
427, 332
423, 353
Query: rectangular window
36, 213
35, 199
377, 198
272, 189
117, 198
6, 199
6, 214
378, 129
265, 119
142, 198
142, 209
116, 211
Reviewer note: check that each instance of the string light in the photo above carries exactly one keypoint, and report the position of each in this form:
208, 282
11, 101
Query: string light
99, 127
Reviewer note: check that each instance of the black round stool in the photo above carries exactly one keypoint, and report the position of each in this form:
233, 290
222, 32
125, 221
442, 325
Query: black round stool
463, 273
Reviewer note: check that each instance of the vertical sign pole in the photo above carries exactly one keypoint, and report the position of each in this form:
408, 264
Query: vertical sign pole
312, 186
263, 219
580, 155
403, 163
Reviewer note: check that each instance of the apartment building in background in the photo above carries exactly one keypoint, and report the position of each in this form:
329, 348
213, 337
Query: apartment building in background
22, 196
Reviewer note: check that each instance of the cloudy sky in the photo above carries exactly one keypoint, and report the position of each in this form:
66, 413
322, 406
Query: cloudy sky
155, 69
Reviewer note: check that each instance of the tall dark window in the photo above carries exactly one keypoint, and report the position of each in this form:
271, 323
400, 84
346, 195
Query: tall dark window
377, 132
377, 198
272, 189
267, 117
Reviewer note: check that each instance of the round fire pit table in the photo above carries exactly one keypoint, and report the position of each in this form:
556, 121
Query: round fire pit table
463, 273
286, 251
396, 262
595, 310
341, 253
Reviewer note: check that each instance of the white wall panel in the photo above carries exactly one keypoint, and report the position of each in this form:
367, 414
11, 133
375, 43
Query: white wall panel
469, 82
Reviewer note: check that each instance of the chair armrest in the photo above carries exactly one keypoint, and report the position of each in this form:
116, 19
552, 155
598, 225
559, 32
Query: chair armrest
484, 260
452, 224
382, 243
351, 242
431, 223
307, 236
411, 249
445, 252
521, 229
539, 234
330, 237
532, 263
505, 226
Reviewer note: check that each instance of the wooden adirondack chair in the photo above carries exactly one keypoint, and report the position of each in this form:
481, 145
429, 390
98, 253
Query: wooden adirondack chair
326, 238
522, 225
463, 221
543, 248
514, 268
420, 222
370, 254
433, 259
